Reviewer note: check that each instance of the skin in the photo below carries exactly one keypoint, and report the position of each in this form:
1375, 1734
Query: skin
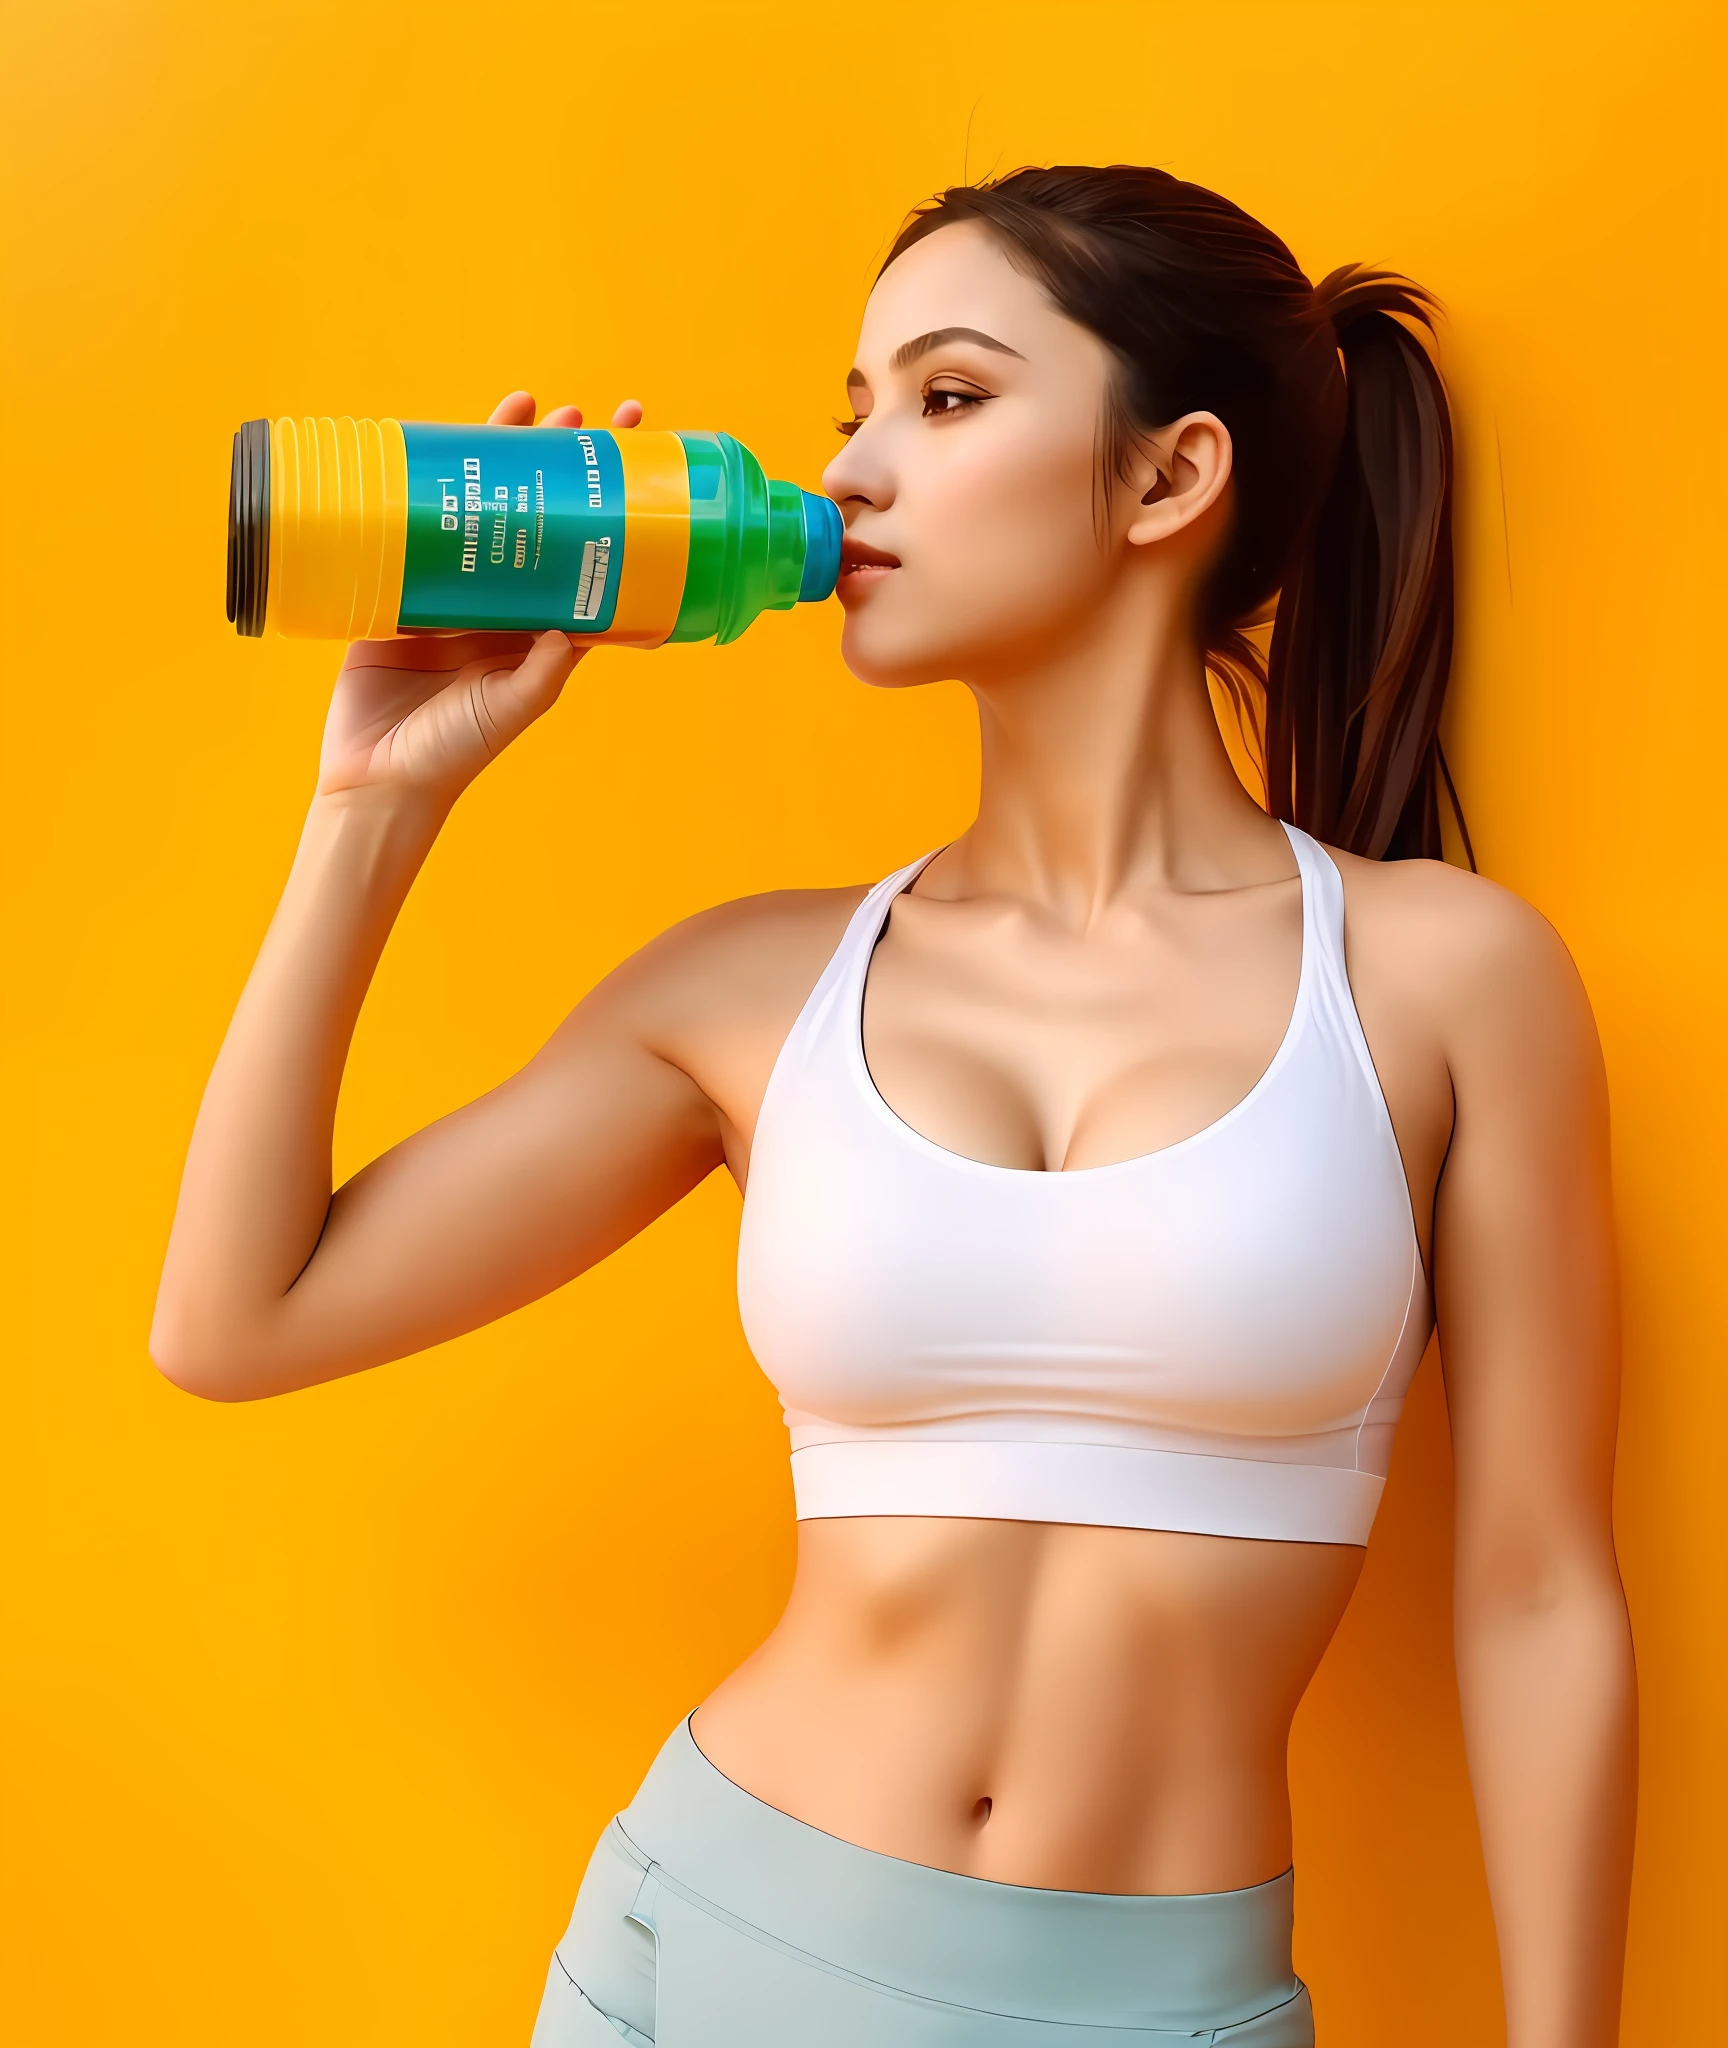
1104, 963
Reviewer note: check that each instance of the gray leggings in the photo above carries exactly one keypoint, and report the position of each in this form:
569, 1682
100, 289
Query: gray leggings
708, 1919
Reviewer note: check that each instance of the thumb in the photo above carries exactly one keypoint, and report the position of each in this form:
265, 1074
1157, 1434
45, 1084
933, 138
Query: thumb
506, 700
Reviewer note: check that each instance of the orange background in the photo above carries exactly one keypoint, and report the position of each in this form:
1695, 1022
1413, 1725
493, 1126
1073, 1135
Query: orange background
312, 1709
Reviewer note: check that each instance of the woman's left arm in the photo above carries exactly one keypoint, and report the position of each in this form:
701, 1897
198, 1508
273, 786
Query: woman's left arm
1525, 1290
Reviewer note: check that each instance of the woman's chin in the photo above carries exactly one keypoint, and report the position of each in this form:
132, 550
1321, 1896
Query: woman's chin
893, 672
890, 660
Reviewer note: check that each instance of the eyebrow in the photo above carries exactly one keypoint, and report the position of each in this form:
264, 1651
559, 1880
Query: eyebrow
910, 351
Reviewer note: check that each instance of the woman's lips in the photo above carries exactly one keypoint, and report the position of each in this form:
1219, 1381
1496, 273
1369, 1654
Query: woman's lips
858, 555
862, 567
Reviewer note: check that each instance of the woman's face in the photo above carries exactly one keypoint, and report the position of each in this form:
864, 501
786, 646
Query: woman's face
969, 481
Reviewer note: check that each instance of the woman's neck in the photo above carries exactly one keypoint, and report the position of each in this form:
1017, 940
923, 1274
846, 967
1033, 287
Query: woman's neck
1103, 772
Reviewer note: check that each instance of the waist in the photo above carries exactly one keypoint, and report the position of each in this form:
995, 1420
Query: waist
1170, 1961
1095, 1709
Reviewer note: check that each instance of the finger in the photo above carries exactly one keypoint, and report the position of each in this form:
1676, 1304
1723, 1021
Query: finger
515, 411
553, 647
433, 652
406, 649
629, 414
563, 416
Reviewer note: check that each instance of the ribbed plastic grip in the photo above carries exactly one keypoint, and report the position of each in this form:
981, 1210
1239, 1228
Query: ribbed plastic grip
339, 507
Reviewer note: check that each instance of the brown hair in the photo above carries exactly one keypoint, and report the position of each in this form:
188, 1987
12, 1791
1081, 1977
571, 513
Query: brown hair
1342, 471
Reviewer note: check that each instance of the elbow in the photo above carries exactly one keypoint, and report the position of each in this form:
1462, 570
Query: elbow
207, 1385
1533, 1582
201, 1364
1517, 1580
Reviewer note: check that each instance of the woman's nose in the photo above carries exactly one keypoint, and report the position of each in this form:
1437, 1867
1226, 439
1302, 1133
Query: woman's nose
858, 475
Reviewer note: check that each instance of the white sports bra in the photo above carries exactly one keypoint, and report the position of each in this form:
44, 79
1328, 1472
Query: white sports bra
1215, 1337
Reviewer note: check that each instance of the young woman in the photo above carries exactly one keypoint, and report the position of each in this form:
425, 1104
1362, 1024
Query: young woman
1105, 1172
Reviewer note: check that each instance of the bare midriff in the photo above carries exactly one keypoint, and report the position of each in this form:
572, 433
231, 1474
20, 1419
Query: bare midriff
1075, 1708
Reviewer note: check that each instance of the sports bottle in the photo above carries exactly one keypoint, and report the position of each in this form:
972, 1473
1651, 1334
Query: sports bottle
355, 529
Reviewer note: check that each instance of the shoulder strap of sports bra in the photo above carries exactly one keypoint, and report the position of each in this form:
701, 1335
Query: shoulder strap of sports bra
1323, 947
864, 927
1322, 898
833, 1002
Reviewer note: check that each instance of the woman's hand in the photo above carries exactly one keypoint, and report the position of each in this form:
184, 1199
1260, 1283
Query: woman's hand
423, 714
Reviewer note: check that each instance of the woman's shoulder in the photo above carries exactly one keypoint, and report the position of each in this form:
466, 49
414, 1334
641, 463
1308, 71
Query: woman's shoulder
1466, 949
733, 966
778, 928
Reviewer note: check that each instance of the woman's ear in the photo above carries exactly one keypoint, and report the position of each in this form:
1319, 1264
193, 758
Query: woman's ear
1180, 473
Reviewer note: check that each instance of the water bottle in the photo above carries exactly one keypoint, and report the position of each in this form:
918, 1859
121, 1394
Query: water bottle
355, 529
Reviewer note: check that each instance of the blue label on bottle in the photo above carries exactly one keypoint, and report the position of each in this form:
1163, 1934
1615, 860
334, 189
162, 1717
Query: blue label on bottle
512, 528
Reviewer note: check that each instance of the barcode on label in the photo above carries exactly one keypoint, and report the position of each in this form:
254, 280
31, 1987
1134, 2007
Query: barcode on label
591, 584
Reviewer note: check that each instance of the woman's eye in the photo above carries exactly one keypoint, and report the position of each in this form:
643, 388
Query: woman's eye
847, 427
939, 404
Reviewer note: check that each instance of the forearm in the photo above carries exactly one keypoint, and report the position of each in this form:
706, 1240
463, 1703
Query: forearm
1550, 1721
257, 1185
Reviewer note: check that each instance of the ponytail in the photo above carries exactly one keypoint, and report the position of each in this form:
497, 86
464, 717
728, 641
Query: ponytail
1342, 475
1362, 645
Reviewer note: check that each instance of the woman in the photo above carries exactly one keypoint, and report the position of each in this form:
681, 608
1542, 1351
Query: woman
1096, 1168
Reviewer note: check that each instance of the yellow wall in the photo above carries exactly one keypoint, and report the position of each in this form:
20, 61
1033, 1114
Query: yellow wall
311, 1709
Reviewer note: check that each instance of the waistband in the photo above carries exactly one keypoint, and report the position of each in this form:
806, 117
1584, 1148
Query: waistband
1117, 1486
1190, 1960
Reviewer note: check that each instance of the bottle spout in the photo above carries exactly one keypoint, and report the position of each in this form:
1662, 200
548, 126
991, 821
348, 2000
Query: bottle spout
804, 534
823, 532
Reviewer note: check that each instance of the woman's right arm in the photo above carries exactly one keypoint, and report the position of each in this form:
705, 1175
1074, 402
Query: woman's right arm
273, 1279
